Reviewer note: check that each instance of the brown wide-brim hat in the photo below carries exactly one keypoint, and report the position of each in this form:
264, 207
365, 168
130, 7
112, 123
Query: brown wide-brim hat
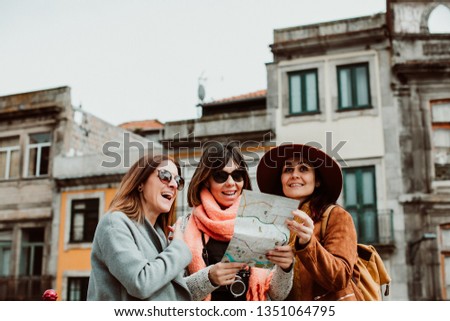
268, 173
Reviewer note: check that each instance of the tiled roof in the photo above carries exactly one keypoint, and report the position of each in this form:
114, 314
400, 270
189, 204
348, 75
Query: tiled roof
252, 95
143, 124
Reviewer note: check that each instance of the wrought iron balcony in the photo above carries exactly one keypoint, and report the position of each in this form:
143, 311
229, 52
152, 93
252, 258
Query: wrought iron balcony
374, 227
385, 227
24, 288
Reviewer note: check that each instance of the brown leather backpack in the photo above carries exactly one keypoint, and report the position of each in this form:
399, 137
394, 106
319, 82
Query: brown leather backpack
369, 273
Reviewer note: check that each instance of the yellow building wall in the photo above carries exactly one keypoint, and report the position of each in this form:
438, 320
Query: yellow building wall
74, 259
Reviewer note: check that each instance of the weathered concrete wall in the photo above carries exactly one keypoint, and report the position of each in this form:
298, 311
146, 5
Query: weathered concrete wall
410, 69
90, 134
244, 122
420, 74
328, 28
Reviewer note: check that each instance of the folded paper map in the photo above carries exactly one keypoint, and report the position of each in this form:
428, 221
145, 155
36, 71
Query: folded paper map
259, 227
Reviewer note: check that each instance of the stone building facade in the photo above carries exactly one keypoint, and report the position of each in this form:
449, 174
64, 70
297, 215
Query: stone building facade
40, 132
242, 120
375, 92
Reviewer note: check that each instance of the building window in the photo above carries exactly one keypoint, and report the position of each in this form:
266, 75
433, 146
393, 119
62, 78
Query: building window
360, 201
444, 246
9, 157
32, 251
303, 92
440, 115
5, 252
38, 155
354, 87
84, 219
439, 20
77, 289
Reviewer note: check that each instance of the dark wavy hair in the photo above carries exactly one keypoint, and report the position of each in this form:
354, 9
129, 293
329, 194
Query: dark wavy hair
319, 201
215, 157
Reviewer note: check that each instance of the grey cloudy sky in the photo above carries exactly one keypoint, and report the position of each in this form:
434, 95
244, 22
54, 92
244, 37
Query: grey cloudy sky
142, 59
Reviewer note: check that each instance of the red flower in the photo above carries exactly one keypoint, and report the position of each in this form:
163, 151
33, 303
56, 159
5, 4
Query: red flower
50, 295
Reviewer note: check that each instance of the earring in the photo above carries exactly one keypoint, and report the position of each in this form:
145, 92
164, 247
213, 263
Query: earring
140, 188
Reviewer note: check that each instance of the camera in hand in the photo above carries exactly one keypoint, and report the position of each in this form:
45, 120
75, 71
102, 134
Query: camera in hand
239, 286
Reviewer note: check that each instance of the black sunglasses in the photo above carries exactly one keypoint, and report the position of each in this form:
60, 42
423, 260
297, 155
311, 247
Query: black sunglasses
222, 176
166, 177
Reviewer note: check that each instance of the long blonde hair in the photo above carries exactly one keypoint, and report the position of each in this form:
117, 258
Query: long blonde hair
128, 198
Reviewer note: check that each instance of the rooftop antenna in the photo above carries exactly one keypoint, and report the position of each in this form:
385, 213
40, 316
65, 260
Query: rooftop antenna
78, 115
201, 93
81, 119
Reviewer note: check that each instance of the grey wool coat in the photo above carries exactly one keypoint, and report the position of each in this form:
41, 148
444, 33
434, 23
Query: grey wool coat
133, 261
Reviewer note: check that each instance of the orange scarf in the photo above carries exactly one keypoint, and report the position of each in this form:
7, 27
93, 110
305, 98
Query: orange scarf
214, 222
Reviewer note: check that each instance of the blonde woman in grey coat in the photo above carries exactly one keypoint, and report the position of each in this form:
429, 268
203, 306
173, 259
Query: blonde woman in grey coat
131, 257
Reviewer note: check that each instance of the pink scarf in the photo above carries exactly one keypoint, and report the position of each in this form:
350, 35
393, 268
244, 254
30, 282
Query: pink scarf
214, 222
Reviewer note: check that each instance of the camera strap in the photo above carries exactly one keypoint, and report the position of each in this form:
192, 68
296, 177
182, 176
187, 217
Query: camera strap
204, 251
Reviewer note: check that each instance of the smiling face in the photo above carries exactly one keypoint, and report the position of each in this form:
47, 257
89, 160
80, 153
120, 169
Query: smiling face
158, 196
298, 179
228, 192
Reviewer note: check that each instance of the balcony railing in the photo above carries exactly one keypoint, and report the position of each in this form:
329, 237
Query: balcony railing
385, 227
24, 288
442, 172
375, 227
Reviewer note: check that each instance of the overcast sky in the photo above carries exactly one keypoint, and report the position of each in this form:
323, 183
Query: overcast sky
129, 60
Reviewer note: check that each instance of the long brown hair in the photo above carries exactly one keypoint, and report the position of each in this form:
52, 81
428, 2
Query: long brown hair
215, 157
128, 198
319, 200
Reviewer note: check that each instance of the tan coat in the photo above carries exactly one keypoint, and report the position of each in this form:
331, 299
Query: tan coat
324, 272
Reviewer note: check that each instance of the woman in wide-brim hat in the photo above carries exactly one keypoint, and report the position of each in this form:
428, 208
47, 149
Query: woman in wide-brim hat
324, 263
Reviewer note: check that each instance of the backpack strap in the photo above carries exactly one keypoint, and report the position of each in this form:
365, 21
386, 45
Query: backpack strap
324, 221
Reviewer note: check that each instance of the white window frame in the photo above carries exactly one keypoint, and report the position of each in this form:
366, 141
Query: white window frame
68, 218
427, 97
65, 280
39, 147
437, 125
9, 150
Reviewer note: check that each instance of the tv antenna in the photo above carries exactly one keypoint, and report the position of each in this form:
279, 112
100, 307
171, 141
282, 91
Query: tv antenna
201, 92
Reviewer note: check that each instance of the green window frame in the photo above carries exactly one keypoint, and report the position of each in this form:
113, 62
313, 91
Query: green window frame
353, 86
5, 252
360, 201
303, 92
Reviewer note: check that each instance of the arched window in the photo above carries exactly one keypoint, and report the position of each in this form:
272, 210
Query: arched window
439, 20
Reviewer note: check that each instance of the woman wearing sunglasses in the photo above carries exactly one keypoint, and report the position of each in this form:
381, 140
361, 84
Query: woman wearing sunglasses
131, 258
214, 193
